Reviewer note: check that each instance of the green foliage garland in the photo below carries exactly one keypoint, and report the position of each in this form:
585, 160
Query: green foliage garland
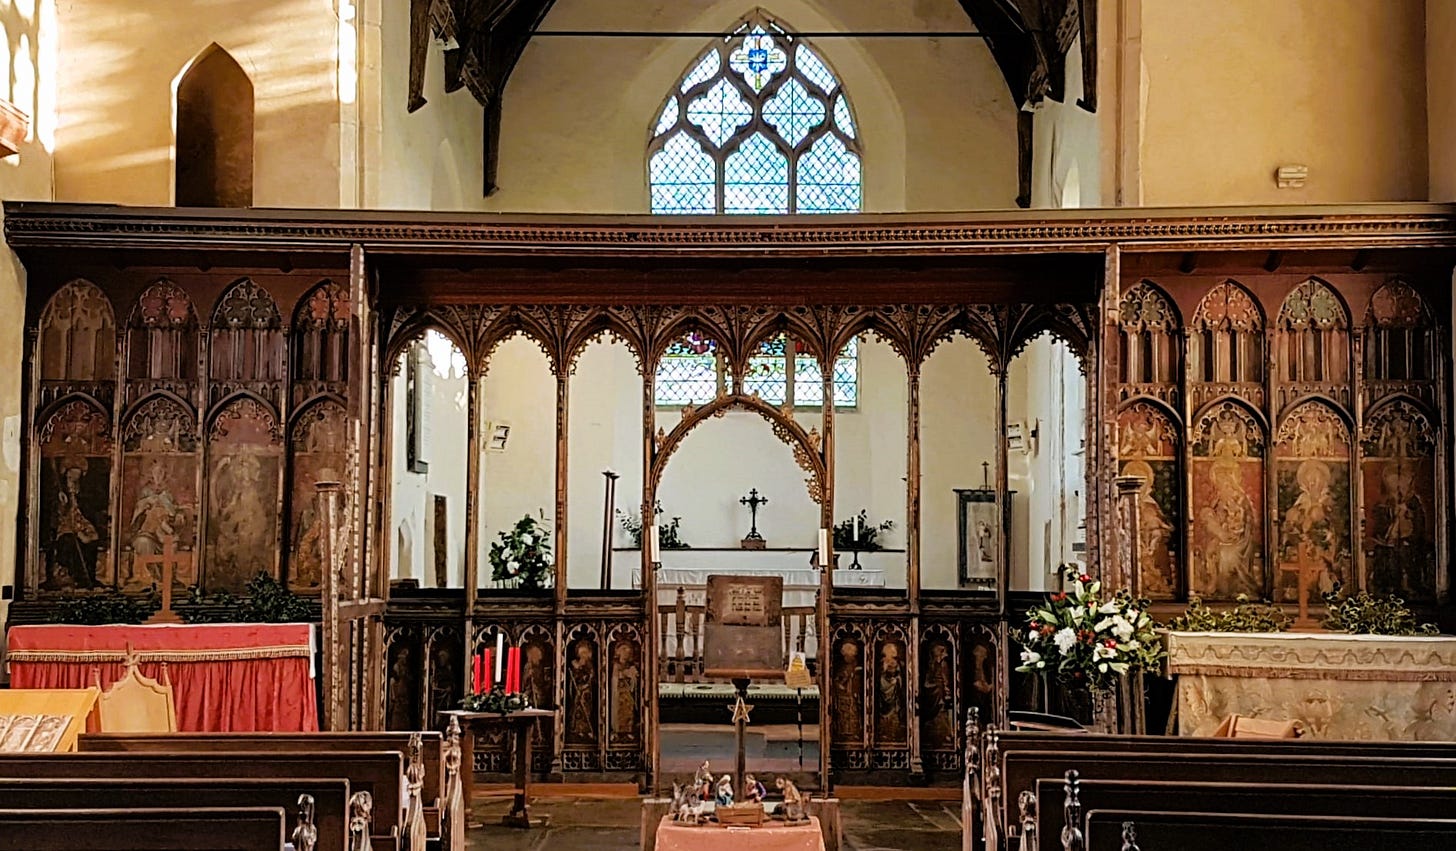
496, 700
1245, 616
106, 607
267, 601
1366, 614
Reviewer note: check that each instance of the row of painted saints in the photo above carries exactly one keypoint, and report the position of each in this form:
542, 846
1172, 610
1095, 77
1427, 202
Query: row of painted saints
166, 508
1325, 482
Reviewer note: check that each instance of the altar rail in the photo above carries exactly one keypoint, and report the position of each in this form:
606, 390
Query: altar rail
680, 653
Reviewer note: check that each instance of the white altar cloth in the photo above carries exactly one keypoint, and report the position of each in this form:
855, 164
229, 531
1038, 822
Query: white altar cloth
800, 584
1337, 686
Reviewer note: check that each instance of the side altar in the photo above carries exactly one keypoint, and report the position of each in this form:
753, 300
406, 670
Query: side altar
1337, 686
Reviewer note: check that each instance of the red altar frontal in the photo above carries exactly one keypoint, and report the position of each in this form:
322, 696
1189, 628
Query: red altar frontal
225, 677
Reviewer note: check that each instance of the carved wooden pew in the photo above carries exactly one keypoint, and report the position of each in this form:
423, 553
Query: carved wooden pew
1043, 816
1142, 830
994, 799
379, 775
1023, 769
432, 747
329, 798
240, 829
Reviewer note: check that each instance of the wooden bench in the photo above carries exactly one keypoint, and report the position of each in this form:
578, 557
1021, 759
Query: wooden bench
432, 751
330, 797
243, 829
1043, 816
1144, 830
380, 774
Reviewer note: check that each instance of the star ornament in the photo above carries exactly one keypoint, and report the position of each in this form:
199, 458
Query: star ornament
741, 710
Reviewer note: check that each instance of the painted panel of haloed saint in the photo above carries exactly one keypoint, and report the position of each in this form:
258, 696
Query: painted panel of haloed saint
75, 498
1148, 448
1312, 463
245, 457
318, 450
1227, 512
1399, 478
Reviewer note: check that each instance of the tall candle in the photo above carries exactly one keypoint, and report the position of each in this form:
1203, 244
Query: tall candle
475, 674
513, 671
654, 545
823, 547
489, 672
500, 654
856, 528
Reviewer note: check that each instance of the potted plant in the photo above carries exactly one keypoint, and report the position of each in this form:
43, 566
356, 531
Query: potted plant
520, 557
669, 537
1089, 641
859, 533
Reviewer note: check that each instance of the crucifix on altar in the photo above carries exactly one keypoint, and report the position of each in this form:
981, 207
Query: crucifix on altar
167, 562
1308, 567
753, 540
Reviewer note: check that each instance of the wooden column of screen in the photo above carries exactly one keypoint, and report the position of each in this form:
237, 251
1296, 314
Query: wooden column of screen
826, 575
912, 566
475, 373
649, 574
1101, 553
563, 397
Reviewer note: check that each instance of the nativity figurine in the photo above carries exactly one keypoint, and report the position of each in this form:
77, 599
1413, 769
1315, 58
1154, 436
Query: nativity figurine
753, 790
724, 795
793, 808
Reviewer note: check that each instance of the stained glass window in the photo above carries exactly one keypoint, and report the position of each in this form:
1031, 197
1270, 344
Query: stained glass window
691, 372
759, 124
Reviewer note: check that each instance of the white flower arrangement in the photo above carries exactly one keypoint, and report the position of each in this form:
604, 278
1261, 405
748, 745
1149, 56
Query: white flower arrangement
522, 555
1085, 638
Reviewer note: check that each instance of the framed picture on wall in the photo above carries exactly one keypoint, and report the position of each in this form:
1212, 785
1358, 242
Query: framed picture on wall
979, 551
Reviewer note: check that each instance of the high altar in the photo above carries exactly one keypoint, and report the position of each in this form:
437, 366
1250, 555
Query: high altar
1335, 686
1259, 387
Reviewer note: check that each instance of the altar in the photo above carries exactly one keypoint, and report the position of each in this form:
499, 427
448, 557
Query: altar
225, 677
1337, 686
673, 836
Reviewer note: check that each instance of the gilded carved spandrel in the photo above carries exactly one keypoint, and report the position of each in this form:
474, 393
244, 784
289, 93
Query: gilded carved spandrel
743, 626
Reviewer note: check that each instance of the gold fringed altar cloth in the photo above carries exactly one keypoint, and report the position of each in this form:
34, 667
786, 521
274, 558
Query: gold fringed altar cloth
1337, 686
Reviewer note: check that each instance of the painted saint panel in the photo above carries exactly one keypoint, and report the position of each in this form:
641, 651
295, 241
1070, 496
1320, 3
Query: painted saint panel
1148, 448
1228, 504
245, 452
889, 690
938, 691
1312, 465
75, 498
581, 691
624, 714
318, 449
404, 666
1399, 477
158, 494
846, 683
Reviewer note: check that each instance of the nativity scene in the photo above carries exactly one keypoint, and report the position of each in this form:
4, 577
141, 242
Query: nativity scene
842, 425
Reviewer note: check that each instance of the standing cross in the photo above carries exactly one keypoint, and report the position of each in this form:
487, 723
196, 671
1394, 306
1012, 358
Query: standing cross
1308, 568
168, 561
753, 501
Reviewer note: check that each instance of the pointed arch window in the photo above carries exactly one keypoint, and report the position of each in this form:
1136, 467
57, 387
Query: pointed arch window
758, 124
692, 372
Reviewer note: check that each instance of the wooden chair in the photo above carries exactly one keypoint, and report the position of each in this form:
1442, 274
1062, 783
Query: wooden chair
137, 703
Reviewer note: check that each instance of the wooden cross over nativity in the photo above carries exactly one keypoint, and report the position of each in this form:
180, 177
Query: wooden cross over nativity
169, 561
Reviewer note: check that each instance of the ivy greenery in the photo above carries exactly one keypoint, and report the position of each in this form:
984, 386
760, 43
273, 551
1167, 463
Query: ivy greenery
106, 607
1366, 614
1245, 616
267, 601
496, 700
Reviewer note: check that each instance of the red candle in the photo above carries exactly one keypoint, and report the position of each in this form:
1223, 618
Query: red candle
488, 672
475, 673
513, 671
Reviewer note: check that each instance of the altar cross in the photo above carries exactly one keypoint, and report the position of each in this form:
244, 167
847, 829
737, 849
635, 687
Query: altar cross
1308, 567
168, 561
753, 501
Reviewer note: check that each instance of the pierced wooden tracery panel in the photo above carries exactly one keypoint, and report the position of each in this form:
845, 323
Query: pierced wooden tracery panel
162, 341
1312, 469
1398, 465
321, 342
1399, 345
1148, 330
75, 497
1147, 447
1227, 511
77, 352
244, 478
1312, 345
247, 345
1226, 346
158, 491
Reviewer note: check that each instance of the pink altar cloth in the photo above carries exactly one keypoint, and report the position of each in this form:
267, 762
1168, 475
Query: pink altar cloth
772, 836
225, 677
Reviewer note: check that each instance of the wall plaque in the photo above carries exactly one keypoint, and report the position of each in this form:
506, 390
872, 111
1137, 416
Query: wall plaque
743, 631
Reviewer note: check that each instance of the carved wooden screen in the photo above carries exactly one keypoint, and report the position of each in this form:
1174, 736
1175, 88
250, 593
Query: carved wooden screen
1313, 350
321, 343
244, 477
77, 344
1148, 447
1398, 467
1312, 467
74, 515
317, 452
162, 344
159, 491
247, 345
1149, 329
848, 688
1226, 347
1226, 509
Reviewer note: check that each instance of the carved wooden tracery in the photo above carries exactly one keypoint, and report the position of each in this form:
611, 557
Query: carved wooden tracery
1226, 346
1313, 345
1150, 351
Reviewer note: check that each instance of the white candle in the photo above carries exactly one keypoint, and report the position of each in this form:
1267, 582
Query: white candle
500, 655
856, 528
654, 546
823, 547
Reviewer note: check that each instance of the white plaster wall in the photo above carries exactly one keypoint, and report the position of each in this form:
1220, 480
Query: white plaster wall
1066, 146
958, 433
518, 389
605, 434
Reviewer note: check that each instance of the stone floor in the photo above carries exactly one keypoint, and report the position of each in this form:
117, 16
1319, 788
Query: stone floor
612, 825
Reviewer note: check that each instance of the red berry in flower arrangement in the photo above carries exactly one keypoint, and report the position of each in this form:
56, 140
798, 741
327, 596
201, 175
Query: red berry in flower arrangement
1084, 578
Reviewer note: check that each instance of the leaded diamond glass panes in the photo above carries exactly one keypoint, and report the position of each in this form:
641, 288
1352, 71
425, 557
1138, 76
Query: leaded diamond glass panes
756, 178
809, 385
793, 112
757, 105
684, 178
758, 59
688, 373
